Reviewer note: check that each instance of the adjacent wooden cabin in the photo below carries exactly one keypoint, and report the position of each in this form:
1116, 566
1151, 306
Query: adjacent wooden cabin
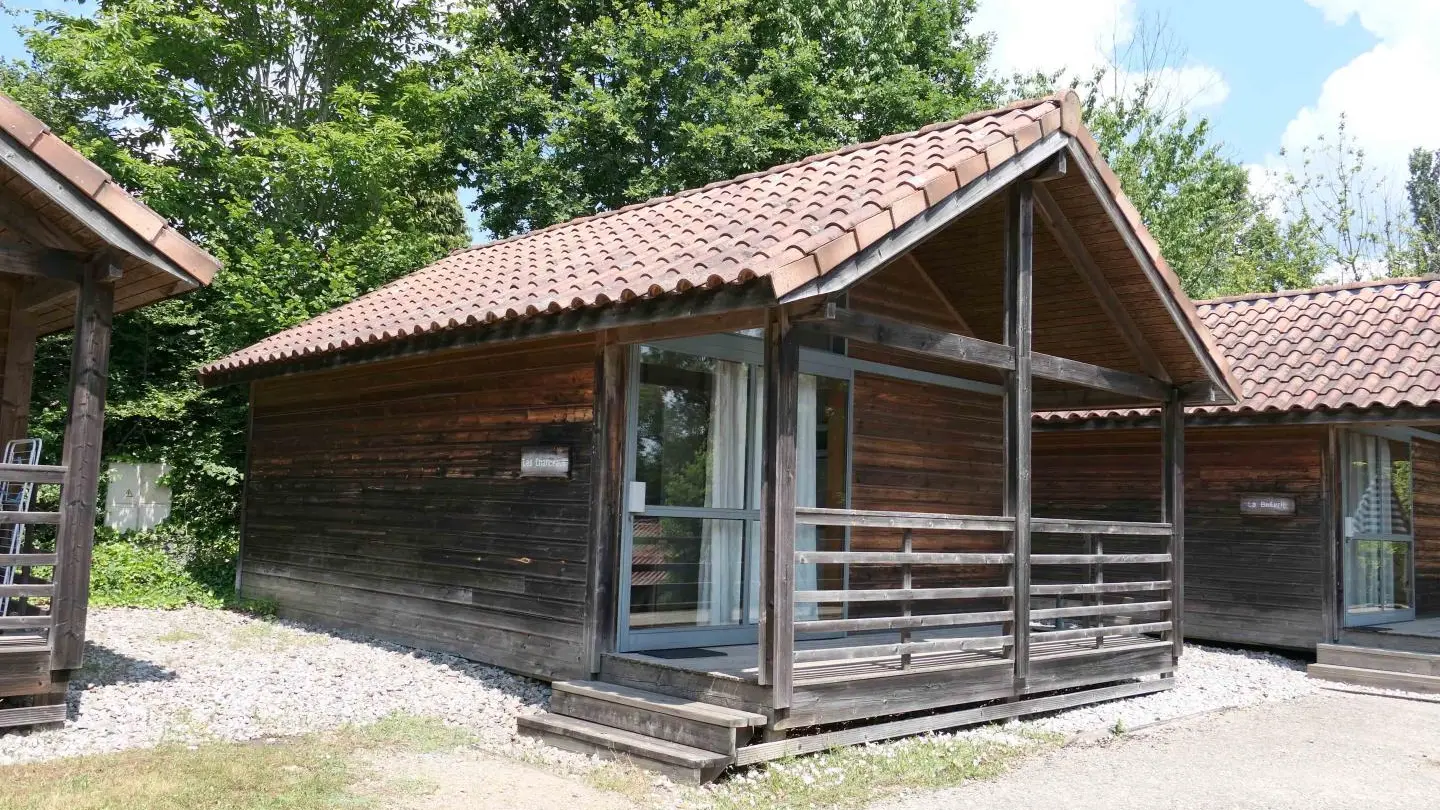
1313, 505
753, 458
75, 249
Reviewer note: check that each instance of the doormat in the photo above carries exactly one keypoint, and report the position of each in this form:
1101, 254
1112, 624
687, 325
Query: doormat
683, 652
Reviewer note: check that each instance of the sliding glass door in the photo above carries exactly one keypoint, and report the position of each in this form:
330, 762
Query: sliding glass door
692, 535
1379, 529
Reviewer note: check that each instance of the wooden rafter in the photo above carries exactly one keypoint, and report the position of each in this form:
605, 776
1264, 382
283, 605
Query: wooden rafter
20, 218
1094, 278
935, 288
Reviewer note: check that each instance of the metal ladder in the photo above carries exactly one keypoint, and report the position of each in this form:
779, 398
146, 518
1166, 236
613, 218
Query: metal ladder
16, 497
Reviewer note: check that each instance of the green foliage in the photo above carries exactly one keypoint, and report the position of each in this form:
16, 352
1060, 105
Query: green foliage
560, 109
143, 575
1423, 192
1214, 231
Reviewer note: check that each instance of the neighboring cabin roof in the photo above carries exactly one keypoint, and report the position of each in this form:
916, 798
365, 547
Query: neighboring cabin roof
66, 190
1370, 344
789, 224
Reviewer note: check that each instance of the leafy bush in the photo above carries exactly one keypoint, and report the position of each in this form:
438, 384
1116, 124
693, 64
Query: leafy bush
144, 570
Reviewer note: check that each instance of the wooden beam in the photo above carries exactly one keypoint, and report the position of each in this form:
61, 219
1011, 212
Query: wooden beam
1172, 510
1019, 314
1074, 248
1099, 378
893, 334
84, 430
938, 293
20, 218
43, 293
41, 262
778, 495
19, 374
815, 516
606, 487
922, 226
1330, 544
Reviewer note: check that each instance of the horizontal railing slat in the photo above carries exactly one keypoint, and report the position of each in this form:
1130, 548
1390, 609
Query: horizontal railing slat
903, 622
29, 518
1086, 559
32, 473
1100, 587
880, 650
1066, 526
27, 590
813, 516
8, 560
902, 594
24, 622
901, 558
1095, 632
1100, 610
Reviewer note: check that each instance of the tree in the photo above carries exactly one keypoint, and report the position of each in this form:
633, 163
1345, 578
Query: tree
283, 137
1423, 191
560, 109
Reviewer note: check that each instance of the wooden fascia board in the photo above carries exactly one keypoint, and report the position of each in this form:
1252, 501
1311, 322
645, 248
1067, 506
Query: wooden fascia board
929, 222
1219, 376
75, 203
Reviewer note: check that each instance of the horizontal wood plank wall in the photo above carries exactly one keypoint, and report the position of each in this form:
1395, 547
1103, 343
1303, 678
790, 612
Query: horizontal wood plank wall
925, 448
386, 499
1248, 579
1426, 460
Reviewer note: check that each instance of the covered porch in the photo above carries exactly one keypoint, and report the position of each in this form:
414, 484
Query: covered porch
817, 511
75, 249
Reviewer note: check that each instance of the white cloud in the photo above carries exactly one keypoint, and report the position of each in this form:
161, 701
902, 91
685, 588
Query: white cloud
1075, 36
1382, 92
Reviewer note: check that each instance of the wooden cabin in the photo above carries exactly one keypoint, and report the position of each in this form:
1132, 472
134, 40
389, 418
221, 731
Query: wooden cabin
75, 249
752, 458
1313, 504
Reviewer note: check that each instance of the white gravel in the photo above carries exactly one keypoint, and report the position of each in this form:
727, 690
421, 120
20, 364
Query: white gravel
1208, 679
155, 676
190, 675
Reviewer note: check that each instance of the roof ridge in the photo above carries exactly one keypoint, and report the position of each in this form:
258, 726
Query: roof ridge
1019, 104
1329, 288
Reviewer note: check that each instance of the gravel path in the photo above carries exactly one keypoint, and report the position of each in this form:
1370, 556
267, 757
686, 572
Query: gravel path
1325, 751
188, 675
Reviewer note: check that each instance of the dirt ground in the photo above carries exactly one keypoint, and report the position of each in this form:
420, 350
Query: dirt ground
474, 781
1336, 750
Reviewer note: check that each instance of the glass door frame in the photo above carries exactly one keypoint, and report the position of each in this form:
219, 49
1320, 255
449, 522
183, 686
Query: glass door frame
1349, 540
741, 348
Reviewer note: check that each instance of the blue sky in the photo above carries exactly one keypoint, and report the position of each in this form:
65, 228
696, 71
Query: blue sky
1267, 73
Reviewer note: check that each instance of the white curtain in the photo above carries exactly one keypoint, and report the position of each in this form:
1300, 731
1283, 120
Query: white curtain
806, 453
722, 541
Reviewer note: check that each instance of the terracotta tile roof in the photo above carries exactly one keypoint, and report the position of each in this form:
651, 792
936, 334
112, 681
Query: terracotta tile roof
788, 223
1372, 344
33, 135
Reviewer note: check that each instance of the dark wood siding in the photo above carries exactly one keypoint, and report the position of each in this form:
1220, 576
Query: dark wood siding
386, 499
1427, 526
1254, 580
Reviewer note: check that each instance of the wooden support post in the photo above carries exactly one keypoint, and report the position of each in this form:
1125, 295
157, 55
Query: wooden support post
606, 485
1019, 296
19, 373
1330, 545
777, 582
1172, 428
84, 431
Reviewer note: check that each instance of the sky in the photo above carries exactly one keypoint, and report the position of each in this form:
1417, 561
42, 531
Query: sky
1270, 75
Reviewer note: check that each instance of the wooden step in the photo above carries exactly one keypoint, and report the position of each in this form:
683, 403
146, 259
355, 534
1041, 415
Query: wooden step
699, 725
1344, 655
681, 763
1378, 678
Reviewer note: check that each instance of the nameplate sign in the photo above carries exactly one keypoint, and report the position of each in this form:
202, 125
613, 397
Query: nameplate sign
545, 461
1267, 505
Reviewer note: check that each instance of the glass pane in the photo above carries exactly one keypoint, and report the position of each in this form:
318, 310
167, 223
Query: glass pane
821, 480
693, 430
1378, 500
686, 572
1377, 579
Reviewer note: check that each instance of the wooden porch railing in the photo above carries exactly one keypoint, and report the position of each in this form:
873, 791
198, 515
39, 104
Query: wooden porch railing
24, 615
